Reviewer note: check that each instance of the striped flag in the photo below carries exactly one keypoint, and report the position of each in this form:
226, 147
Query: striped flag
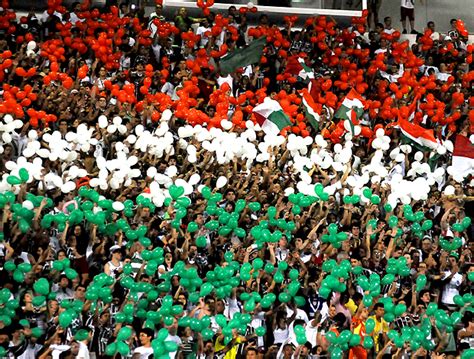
420, 137
353, 101
463, 158
311, 109
270, 116
297, 66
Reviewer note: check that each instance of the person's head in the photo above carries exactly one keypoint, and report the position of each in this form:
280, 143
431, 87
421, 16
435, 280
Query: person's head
80, 292
355, 229
453, 22
283, 242
4, 338
116, 253
146, 336
425, 296
468, 319
251, 353
388, 22
426, 244
158, 9
379, 27
63, 126
172, 328
183, 12
63, 281
357, 298
287, 350
104, 318
220, 306
339, 320
379, 310
74, 348
232, 10
76, 6
431, 25
453, 259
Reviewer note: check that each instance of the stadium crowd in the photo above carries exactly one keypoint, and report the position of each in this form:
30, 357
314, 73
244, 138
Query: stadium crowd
164, 194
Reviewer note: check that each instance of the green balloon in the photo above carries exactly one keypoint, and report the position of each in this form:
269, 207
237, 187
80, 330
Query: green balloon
201, 242
368, 342
260, 331
192, 227
375, 199
420, 282
70, 273
9, 266
367, 192
175, 191
369, 325
123, 348
269, 268
18, 276
255, 206
284, 297
13, 180
124, 333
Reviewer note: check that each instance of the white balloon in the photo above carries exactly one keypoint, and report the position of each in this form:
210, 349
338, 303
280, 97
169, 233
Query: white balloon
131, 139
103, 122
380, 132
166, 115
117, 120
28, 205
226, 125
449, 190
171, 171
418, 156
151, 172
111, 129
449, 145
441, 150
194, 179
6, 137
221, 182
118, 206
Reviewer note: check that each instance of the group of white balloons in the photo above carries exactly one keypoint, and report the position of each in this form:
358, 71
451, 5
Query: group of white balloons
405, 181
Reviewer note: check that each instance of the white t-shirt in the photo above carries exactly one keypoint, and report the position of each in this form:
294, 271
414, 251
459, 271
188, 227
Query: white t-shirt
177, 340
143, 351
451, 288
408, 4
83, 351
201, 31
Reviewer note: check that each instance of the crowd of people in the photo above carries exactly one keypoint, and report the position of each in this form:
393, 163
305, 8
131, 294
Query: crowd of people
313, 204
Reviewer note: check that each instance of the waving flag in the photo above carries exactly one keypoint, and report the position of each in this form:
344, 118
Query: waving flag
353, 101
243, 57
311, 109
420, 137
297, 66
270, 116
463, 157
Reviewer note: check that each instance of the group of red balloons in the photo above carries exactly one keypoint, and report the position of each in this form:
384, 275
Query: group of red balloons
389, 105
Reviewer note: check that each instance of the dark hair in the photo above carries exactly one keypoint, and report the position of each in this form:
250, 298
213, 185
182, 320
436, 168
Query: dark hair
429, 23
340, 319
148, 332
357, 296
378, 305
386, 18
